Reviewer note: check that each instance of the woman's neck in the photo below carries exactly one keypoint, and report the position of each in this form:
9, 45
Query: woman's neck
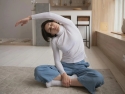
60, 30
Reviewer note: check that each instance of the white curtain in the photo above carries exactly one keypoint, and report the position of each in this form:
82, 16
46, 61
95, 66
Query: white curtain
124, 9
119, 14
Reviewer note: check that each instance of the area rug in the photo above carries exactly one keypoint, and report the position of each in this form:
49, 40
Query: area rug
20, 80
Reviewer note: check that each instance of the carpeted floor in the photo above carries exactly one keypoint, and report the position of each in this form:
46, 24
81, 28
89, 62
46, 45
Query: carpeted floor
20, 80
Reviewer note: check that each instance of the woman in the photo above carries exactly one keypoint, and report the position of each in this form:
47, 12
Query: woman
71, 70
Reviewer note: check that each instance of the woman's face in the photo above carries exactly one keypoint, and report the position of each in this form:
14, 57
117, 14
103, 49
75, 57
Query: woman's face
52, 28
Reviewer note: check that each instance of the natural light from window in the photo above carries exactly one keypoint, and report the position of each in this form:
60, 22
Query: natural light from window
119, 14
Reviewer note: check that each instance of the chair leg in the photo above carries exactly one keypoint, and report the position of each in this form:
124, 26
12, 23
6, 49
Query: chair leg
89, 36
86, 35
88, 40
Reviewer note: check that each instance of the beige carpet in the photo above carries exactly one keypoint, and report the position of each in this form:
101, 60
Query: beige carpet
20, 80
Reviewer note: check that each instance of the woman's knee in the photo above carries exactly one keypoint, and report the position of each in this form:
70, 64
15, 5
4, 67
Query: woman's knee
96, 78
40, 69
36, 70
40, 73
99, 79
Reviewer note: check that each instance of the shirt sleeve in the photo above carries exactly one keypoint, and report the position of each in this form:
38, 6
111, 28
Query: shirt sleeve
53, 16
56, 55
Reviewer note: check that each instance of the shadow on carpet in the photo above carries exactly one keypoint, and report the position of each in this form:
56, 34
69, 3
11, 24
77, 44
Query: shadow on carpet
20, 80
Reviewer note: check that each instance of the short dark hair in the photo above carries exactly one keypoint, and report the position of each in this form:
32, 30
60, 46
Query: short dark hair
45, 34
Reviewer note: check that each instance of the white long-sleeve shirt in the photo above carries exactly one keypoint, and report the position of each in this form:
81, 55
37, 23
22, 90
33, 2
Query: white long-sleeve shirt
68, 40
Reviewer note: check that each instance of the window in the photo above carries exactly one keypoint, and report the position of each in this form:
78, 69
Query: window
119, 14
124, 9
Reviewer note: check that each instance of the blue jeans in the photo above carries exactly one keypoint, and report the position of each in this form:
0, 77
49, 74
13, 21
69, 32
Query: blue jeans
89, 78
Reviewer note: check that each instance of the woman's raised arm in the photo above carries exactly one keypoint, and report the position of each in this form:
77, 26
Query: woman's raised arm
23, 21
52, 16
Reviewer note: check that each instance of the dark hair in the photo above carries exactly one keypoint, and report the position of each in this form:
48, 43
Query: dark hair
45, 34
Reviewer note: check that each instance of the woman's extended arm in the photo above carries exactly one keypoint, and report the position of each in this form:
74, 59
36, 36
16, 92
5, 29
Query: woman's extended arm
23, 21
53, 16
45, 15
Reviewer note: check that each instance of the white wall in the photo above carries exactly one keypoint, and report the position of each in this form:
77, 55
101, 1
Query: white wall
10, 12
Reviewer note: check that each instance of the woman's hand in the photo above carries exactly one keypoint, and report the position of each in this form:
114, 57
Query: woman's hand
66, 81
23, 21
